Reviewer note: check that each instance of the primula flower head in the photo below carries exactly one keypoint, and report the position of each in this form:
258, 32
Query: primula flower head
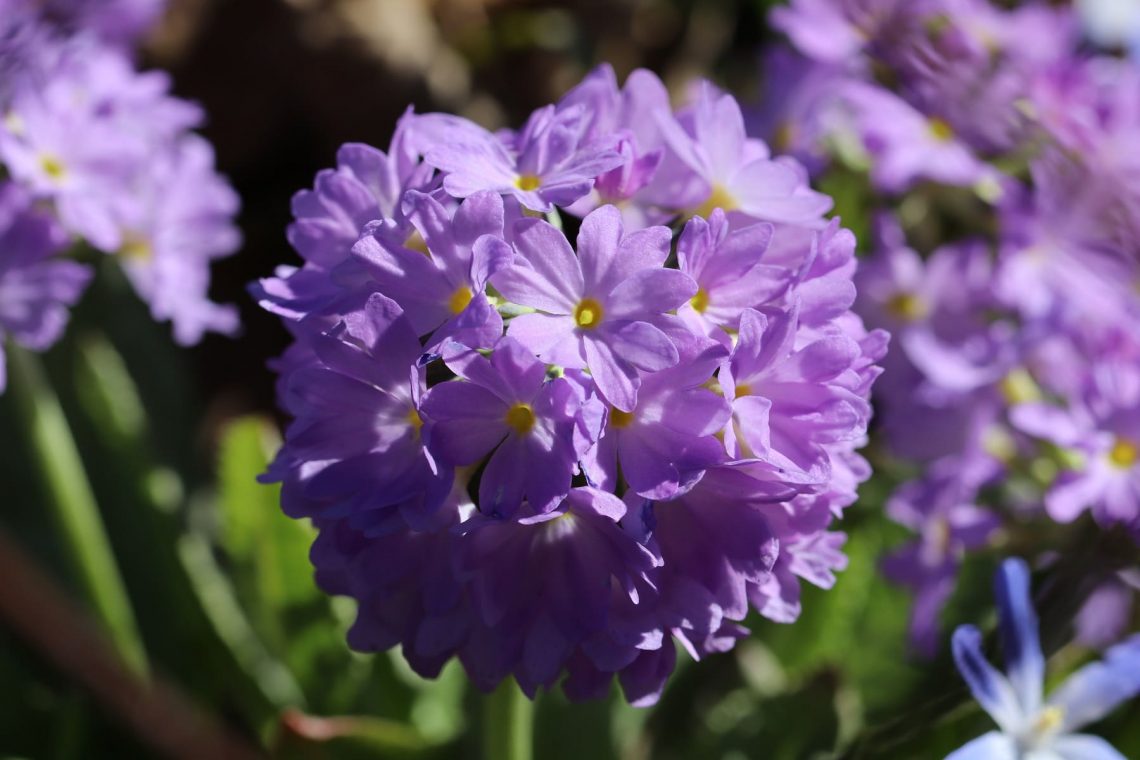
523, 453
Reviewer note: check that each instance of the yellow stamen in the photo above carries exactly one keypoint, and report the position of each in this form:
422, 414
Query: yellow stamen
416, 242
782, 140
588, 314
52, 166
459, 299
1124, 454
1018, 387
520, 418
528, 182
718, 198
135, 249
620, 419
907, 306
1048, 720
414, 420
941, 130
743, 389
700, 301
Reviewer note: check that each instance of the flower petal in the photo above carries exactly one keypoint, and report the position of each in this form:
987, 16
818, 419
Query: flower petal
1096, 689
1019, 637
992, 689
992, 746
1084, 747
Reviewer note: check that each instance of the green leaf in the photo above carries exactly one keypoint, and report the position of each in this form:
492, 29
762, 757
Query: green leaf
269, 551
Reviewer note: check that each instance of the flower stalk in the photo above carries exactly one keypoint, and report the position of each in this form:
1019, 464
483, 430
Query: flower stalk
508, 724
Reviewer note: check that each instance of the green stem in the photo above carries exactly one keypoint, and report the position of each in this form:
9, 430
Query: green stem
72, 503
508, 724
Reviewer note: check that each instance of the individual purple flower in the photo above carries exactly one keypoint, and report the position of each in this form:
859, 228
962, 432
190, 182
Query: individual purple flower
787, 403
798, 113
549, 162
836, 30
662, 447
443, 292
629, 113
172, 234
508, 409
714, 541
367, 185
1029, 725
596, 310
36, 288
1104, 435
730, 269
404, 587
548, 584
941, 509
721, 167
355, 447
1104, 617
903, 145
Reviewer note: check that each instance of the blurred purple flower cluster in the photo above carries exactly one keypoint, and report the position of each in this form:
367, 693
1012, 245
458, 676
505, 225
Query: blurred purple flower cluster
95, 152
1015, 386
555, 456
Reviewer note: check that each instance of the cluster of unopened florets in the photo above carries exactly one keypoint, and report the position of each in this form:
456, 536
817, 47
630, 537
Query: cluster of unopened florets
554, 461
95, 153
1015, 385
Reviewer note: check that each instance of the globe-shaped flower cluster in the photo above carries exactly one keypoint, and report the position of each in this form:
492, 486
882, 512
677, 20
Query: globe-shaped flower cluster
556, 461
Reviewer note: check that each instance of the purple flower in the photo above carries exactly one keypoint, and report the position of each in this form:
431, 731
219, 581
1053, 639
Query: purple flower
730, 269
468, 538
549, 162
548, 585
596, 310
443, 291
509, 410
36, 289
940, 508
1103, 436
355, 447
366, 186
1104, 617
787, 402
720, 167
1028, 723
903, 145
662, 447
836, 30
169, 242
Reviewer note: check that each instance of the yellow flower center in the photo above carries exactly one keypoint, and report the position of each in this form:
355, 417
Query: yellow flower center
459, 299
718, 198
1124, 454
700, 301
1048, 720
414, 420
588, 314
941, 130
620, 419
1018, 387
520, 418
52, 166
743, 389
528, 182
907, 307
416, 242
135, 249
